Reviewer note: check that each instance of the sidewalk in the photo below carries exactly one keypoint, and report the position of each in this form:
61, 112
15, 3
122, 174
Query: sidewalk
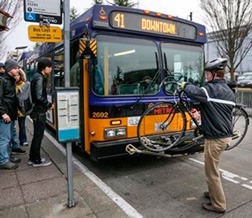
42, 192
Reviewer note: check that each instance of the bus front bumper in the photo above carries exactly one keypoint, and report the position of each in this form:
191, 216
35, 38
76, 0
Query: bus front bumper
110, 149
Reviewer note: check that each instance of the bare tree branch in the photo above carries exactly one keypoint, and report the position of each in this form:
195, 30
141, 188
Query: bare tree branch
231, 25
14, 8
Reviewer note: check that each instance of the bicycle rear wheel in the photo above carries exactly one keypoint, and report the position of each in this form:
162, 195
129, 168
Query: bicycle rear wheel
240, 126
161, 126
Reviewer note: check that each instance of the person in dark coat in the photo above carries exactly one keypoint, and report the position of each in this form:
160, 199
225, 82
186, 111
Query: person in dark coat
8, 113
217, 101
38, 115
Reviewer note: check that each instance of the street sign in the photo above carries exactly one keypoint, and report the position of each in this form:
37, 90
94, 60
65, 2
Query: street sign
43, 11
44, 34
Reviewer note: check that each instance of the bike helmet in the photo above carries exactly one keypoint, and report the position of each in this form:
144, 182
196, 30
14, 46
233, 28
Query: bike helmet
216, 64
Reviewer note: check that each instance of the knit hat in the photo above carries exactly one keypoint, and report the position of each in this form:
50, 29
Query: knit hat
2, 64
10, 64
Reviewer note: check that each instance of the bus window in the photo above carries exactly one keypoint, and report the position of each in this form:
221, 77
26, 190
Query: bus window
59, 68
75, 73
184, 62
124, 66
75, 64
31, 69
98, 81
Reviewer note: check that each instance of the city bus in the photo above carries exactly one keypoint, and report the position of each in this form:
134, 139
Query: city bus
118, 59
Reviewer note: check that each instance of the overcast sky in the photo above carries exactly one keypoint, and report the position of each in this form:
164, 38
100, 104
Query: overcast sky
180, 8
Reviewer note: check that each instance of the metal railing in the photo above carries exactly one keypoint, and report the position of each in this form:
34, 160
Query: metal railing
244, 96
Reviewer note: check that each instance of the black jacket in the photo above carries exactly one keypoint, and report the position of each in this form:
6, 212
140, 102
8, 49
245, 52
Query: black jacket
216, 103
8, 99
39, 95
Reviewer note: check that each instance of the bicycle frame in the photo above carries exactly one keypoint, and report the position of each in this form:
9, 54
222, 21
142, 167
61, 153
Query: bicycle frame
185, 104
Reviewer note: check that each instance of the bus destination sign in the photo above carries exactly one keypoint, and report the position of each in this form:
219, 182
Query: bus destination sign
156, 25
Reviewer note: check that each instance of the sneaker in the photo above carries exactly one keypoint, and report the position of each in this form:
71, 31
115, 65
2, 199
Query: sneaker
30, 162
9, 166
209, 207
15, 160
25, 144
42, 163
18, 151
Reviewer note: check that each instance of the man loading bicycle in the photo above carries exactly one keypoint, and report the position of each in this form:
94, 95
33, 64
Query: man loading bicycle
216, 103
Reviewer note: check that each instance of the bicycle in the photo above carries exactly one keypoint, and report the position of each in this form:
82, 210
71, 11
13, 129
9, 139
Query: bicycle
165, 126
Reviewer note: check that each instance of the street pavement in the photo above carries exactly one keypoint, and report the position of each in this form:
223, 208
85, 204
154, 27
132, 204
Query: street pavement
42, 192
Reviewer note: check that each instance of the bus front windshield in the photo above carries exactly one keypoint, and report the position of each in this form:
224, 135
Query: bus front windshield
124, 66
184, 62
129, 66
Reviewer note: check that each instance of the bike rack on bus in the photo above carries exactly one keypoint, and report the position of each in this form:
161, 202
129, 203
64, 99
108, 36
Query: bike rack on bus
131, 149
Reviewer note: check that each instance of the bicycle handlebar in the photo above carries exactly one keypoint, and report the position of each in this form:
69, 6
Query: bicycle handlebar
171, 87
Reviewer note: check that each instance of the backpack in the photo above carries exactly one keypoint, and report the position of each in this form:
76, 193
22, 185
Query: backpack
25, 104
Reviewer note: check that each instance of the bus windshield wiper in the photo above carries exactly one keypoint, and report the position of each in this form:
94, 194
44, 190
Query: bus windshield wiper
153, 80
166, 65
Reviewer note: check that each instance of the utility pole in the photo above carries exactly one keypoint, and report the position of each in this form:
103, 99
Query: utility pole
190, 16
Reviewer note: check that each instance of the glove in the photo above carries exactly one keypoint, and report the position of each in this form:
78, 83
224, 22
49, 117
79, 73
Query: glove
183, 85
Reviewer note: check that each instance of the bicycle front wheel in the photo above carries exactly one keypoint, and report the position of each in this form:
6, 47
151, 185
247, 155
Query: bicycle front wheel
161, 126
240, 126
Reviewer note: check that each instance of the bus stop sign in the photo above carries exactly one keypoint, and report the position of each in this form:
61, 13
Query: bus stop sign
44, 34
42, 11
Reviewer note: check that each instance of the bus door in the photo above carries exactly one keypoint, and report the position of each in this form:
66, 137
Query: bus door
87, 50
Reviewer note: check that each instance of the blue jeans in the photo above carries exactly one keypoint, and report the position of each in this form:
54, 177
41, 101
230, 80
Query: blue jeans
39, 122
14, 140
5, 137
22, 131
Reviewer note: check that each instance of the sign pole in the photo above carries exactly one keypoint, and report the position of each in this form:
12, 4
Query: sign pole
44, 13
71, 202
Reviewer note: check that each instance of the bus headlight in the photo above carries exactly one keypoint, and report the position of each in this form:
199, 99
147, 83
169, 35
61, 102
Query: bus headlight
121, 132
110, 133
115, 132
